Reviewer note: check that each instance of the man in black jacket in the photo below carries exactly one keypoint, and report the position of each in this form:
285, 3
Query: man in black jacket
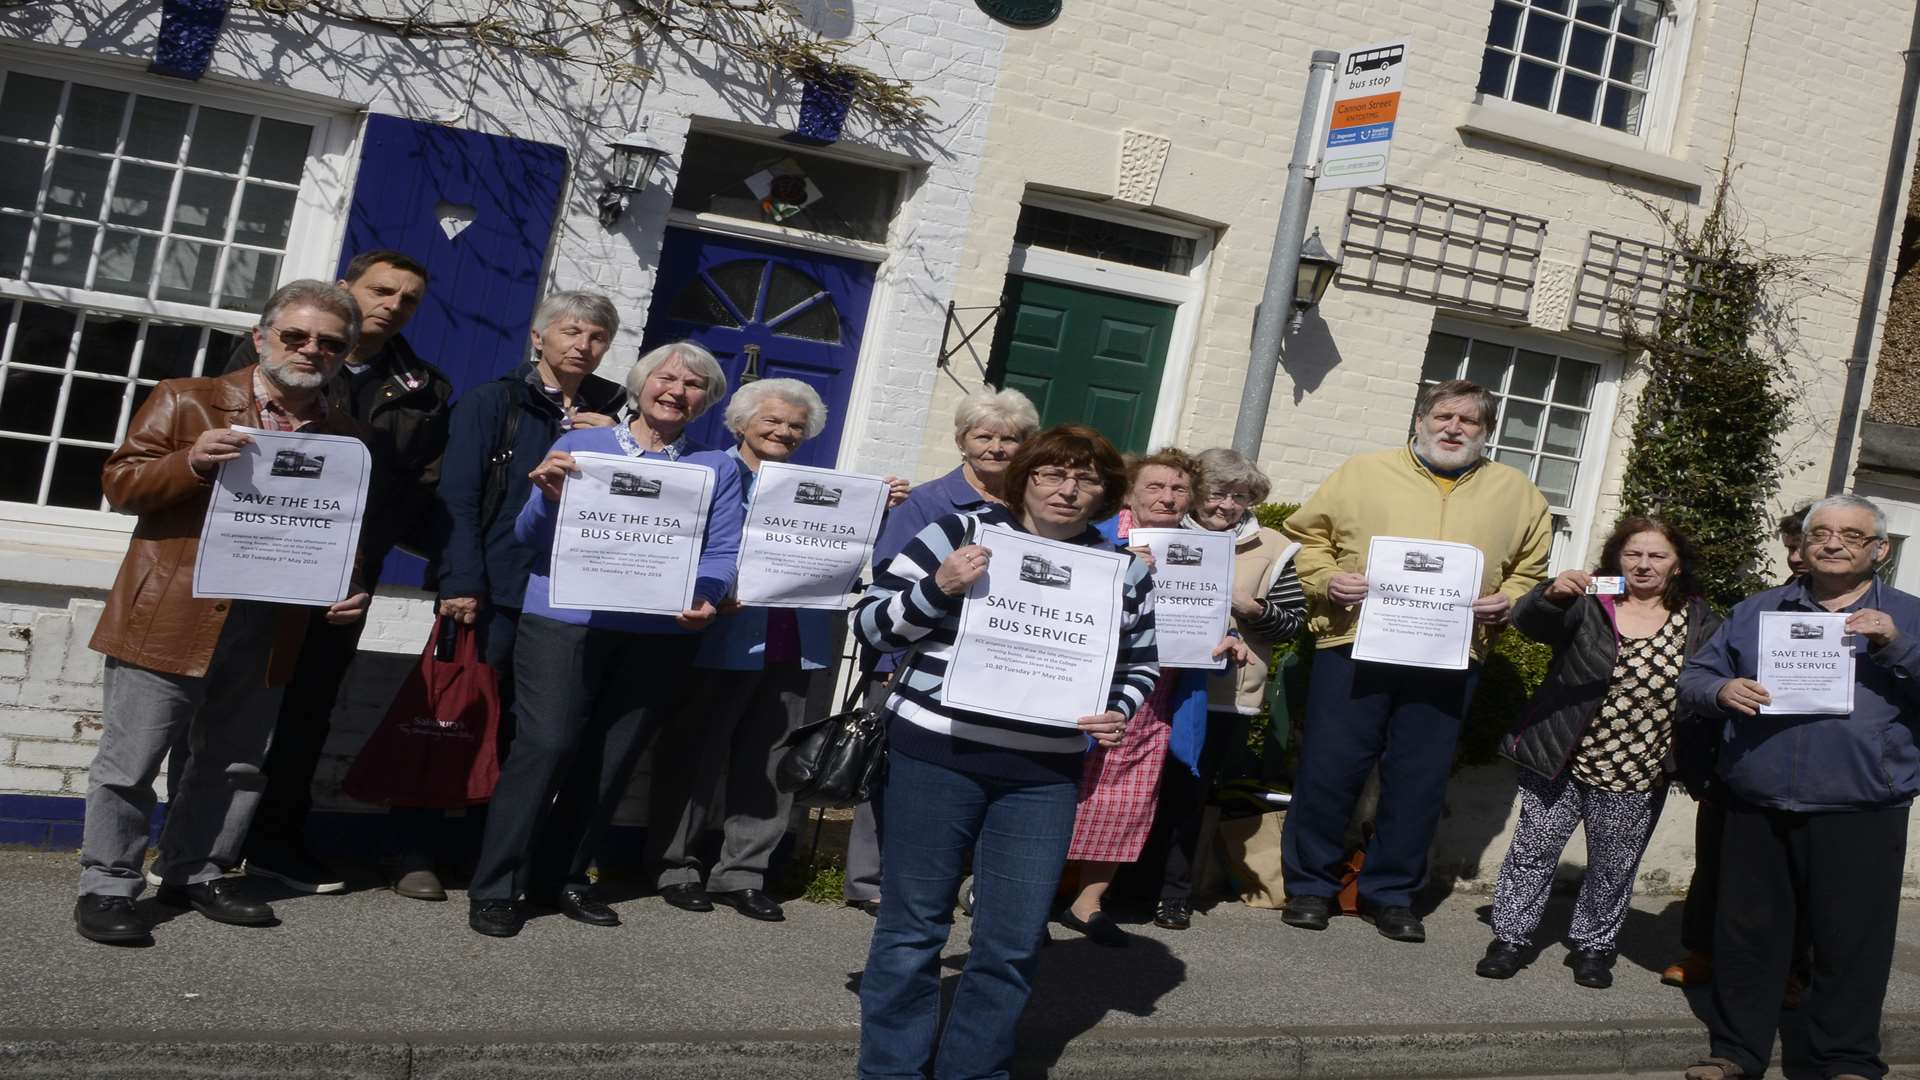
404, 403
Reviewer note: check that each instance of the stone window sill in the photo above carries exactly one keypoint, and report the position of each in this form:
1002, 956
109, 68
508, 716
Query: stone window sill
1557, 135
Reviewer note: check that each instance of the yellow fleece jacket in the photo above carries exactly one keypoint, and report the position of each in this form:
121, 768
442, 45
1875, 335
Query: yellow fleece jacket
1390, 493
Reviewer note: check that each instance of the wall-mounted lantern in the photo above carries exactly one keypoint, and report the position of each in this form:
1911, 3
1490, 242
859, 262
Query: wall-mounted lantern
635, 155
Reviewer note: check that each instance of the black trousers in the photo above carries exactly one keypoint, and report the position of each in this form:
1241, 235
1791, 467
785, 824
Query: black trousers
1703, 891
1842, 872
300, 734
585, 705
1183, 803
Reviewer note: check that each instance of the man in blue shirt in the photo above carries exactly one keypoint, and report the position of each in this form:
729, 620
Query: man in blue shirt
1817, 808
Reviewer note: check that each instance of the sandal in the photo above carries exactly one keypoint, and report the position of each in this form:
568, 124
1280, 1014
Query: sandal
1714, 1068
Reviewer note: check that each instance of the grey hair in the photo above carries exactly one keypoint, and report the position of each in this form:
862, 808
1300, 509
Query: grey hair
589, 307
1225, 468
1009, 409
1433, 395
747, 400
309, 292
1849, 502
697, 360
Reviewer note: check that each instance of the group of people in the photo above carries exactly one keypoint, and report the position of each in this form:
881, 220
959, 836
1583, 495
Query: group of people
1647, 686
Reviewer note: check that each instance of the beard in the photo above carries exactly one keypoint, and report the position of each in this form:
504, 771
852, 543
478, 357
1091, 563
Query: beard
283, 374
1428, 447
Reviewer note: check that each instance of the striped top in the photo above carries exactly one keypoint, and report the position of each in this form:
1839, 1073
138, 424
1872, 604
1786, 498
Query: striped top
905, 610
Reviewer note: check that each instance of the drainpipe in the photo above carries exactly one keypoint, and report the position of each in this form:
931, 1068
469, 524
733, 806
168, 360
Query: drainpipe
1898, 166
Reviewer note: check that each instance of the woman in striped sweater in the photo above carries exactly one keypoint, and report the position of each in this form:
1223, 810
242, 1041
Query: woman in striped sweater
963, 784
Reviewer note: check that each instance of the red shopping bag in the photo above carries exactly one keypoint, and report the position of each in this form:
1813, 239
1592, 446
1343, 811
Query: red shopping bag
437, 746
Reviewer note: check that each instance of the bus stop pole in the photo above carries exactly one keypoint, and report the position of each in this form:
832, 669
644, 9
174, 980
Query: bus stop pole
1276, 303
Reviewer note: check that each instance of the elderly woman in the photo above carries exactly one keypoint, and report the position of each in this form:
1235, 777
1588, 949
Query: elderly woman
1119, 785
499, 431
960, 783
1597, 745
988, 428
591, 686
751, 677
1269, 607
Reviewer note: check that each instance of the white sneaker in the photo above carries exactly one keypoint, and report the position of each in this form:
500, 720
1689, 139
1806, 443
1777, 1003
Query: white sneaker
153, 878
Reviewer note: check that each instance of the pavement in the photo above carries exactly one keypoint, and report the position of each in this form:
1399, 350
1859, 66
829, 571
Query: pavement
366, 984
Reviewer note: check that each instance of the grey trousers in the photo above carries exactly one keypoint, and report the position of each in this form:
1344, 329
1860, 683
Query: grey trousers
863, 841
227, 716
721, 751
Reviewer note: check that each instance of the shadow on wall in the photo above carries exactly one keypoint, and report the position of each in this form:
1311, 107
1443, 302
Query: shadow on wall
1480, 808
1308, 355
828, 18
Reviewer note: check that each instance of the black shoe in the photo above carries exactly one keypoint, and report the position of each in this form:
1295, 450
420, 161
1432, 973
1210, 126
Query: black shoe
578, 903
1099, 929
495, 918
1399, 924
752, 903
110, 920
1308, 912
1502, 961
1173, 915
689, 897
870, 907
1592, 968
223, 900
295, 869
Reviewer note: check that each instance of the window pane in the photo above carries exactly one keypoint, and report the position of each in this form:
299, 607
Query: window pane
698, 304
20, 168
126, 263
1632, 63
93, 409
76, 476
820, 322
77, 185
1587, 50
13, 245
27, 403
1597, 12
739, 282
20, 466
1520, 424
265, 216
61, 253
787, 289
92, 120
140, 196
1533, 84
856, 200
220, 346
280, 151
1444, 353
157, 128
1521, 461
202, 208
1575, 386
250, 279
219, 140
1531, 374
1551, 5
1622, 110
44, 336
1493, 73
1488, 365
28, 106
106, 345
1543, 36
1641, 18
169, 351
1504, 25
1556, 480
186, 272
1577, 96
1565, 429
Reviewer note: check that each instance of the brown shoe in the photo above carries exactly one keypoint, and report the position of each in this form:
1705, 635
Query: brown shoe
420, 885
1694, 969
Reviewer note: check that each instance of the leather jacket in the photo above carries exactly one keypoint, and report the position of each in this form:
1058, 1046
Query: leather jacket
152, 619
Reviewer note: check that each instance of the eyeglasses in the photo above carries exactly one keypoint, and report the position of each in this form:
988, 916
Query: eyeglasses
1238, 498
1057, 478
1853, 538
296, 340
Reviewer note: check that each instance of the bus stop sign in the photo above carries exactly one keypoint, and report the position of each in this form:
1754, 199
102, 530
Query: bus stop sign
1366, 102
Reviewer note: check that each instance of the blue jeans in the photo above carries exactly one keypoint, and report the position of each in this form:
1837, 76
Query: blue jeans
1018, 836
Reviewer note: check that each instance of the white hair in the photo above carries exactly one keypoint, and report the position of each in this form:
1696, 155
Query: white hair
747, 400
1848, 502
697, 360
588, 307
1224, 468
1007, 409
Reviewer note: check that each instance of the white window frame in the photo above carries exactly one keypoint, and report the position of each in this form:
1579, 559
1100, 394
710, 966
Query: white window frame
1187, 292
67, 546
1572, 540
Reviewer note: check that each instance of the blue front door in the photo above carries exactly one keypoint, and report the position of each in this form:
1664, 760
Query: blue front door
764, 312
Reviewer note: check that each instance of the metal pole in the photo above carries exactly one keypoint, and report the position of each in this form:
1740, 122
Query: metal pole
1276, 304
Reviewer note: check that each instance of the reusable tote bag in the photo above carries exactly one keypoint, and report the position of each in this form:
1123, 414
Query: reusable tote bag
438, 745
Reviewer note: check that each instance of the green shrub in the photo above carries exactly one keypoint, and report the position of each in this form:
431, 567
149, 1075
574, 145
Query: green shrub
1272, 514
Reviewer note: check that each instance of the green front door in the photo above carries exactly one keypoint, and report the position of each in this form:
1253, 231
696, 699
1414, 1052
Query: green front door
1083, 356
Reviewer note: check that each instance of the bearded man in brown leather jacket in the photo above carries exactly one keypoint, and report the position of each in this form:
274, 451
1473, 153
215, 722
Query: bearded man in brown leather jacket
208, 667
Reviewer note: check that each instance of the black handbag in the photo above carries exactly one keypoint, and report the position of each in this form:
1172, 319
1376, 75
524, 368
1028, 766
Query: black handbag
840, 760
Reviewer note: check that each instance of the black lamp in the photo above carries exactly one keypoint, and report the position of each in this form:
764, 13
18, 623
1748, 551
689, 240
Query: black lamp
1311, 278
635, 155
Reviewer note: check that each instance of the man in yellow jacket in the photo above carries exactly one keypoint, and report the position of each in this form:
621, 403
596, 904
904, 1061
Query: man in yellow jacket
1404, 719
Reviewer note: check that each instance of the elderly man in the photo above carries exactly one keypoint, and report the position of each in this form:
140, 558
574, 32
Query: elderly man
1816, 808
180, 664
402, 402
1404, 719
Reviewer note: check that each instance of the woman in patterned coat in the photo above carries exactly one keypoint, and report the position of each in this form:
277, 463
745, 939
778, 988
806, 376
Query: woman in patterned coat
1596, 746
